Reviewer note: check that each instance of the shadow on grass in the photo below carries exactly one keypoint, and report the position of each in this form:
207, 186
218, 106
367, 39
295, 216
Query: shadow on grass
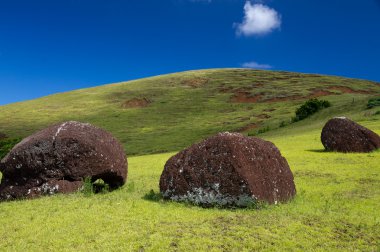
319, 151
153, 196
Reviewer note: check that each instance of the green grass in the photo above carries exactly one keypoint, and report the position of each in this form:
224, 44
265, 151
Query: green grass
336, 208
338, 195
180, 114
6, 145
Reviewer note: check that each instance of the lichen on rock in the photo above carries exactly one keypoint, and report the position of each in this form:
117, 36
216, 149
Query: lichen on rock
344, 135
228, 169
59, 158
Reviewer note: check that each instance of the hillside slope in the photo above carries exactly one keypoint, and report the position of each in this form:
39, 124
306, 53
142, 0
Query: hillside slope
169, 112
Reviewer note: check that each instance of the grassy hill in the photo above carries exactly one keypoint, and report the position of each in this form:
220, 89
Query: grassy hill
167, 113
338, 195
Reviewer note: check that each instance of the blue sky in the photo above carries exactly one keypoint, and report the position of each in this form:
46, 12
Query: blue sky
53, 46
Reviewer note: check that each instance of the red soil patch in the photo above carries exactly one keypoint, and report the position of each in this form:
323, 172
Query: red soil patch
263, 116
286, 98
136, 103
245, 97
315, 93
350, 90
248, 127
320, 92
226, 90
196, 82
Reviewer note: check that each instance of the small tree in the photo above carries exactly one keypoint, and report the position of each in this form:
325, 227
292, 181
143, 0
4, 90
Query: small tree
310, 107
374, 102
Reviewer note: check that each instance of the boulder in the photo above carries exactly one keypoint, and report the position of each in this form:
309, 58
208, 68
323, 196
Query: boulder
59, 158
228, 169
343, 135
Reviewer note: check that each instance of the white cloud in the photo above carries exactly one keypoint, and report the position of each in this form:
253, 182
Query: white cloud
255, 65
258, 19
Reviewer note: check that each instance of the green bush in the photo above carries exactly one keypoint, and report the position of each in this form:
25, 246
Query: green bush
92, 187
260, 131
87, 189
373, 103
310, 107
99, 186
153, 196
6, 145
263, 130
283, 124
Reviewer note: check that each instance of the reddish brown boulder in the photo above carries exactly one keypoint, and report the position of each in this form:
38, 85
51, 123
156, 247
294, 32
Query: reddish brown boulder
343, 135
59, 158
228, 169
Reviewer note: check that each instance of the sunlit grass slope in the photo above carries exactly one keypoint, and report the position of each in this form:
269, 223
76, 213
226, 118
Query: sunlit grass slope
336, 209
338, 199
169, 112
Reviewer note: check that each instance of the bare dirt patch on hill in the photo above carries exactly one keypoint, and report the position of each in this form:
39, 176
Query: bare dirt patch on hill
136, 103
347, 90
263, 116
248, 127
195, 82
245, 96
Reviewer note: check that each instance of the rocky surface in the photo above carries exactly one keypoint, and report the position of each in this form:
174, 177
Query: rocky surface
59, 158
228, 169
343, 135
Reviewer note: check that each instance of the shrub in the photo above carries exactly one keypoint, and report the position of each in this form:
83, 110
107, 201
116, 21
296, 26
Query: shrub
98, 186
310, 107
263, 130
260, 131
87, 189
282, 124
153, 196
373, 103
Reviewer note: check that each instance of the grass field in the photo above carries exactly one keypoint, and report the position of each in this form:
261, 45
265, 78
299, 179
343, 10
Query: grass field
338, 195
336, 208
